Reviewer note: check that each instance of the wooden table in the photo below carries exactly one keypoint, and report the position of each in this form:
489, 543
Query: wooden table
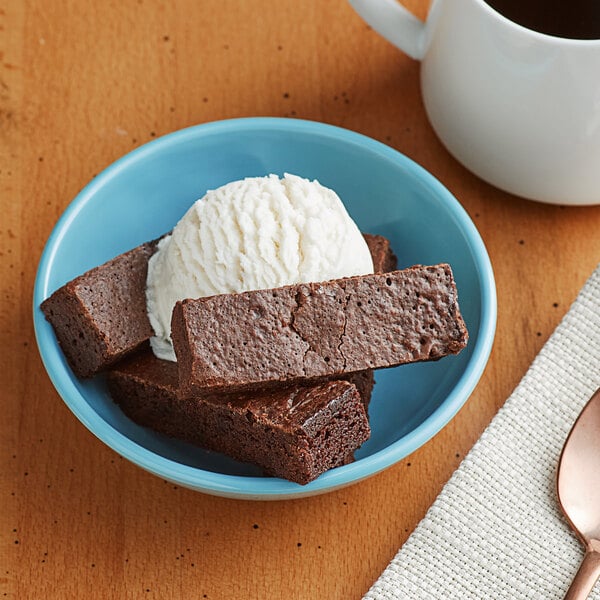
82, 83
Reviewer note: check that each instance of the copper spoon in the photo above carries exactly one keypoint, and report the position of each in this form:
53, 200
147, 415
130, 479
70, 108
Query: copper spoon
578, 486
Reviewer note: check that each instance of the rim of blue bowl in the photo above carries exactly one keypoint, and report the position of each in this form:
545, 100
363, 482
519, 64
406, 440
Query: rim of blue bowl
263, 488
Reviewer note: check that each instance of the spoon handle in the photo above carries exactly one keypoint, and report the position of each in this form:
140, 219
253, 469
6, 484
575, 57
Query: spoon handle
586, 577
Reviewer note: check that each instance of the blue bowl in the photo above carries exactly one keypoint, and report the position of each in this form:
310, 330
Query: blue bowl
143, 195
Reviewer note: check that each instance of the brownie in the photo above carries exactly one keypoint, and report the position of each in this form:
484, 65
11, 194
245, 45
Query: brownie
101, 315
384, 259
295, 433
364, 382
265, 337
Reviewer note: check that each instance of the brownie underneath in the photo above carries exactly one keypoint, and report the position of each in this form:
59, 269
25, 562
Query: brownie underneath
295, 433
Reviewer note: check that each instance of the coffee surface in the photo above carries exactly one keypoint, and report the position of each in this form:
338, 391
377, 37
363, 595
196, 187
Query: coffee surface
576, 19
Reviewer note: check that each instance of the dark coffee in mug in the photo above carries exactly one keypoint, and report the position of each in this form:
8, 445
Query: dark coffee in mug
576, 19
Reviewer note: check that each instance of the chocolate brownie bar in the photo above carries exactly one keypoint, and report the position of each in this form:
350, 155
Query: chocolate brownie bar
305, 331
295, 433
101, 315
384, 259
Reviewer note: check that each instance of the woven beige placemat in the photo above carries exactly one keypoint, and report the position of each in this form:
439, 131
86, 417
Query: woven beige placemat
495, 531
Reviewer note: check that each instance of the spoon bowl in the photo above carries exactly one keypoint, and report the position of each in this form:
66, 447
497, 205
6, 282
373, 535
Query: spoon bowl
578, 488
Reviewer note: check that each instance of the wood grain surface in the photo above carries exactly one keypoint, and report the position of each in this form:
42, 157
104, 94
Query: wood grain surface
82, 83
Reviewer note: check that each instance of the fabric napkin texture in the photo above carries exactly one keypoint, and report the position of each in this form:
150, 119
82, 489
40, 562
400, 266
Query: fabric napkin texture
496, 530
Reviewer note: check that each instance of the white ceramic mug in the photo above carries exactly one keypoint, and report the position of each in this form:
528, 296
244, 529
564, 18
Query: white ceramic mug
519, 108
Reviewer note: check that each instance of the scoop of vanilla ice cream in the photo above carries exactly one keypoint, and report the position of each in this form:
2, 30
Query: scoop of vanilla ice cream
257, 233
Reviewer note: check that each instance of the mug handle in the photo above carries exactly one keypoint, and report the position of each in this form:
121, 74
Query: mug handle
395, 23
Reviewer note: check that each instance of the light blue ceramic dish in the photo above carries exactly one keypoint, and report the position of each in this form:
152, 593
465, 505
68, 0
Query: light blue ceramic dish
142, 195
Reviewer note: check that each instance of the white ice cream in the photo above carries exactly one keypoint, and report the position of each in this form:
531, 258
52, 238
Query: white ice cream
258, 233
